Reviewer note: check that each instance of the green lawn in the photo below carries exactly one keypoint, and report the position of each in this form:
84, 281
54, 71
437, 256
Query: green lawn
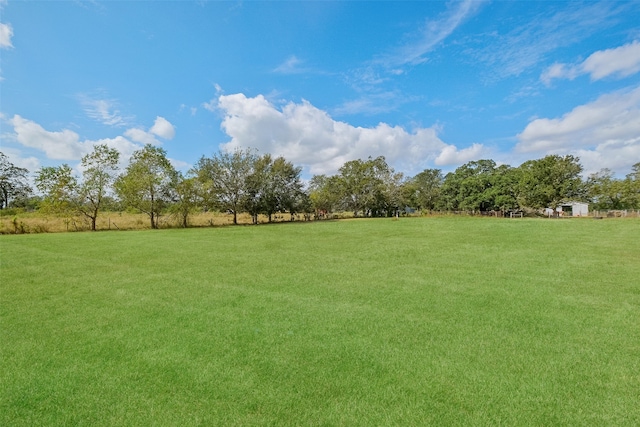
435, 321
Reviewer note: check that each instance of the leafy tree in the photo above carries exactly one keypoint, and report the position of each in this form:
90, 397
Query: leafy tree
355, 185
285, 186
58, 186
480, 186
391, 198
605, 191
362, 185
470, 187
504, 188
254, 200
148, 183
547, 182
224, 178
273, 186
303, 203
13, 182
99, 172
426, 188
632, 187
324, 193
187, 198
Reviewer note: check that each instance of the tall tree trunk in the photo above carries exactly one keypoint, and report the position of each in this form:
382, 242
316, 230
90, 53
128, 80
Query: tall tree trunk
93, 219
152, 212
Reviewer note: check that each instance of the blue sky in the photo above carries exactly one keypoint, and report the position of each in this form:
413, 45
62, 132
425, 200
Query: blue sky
426, 84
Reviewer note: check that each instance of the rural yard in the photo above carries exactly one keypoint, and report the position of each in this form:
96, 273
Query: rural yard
417, 321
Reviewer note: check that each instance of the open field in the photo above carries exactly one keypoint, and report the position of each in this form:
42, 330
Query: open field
421, 321
35, 222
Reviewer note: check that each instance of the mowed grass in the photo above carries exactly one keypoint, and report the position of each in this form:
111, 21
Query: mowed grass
421, 321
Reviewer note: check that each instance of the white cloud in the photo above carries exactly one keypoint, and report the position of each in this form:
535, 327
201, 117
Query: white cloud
432, 34
390, 64
559, 71
211, 105
141, 136
620, 62
292, 65
103, 110
374, 103
61, 145
6, 32
450, 155
179, 164
308, 136
604, 132
615, 155
523, 47
15, 157
163, 128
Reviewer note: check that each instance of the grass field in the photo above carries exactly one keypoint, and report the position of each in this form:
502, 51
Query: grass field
421, 321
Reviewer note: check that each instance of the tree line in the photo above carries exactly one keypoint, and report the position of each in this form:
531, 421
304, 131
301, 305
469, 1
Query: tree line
245, 182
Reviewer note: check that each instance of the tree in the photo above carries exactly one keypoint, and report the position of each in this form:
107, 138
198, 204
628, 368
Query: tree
391, 198
547, 182
504, 188
148, 183
224, 178
273, 186
13, 182
324, 193
355, 183
187, 198
605, 191
363, 183
480, 186
58, 186
469, 187
99, 170
426, 187
632, 187
254, 200
285, 187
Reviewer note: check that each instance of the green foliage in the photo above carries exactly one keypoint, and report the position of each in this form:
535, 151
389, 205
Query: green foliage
369, 187
606, 192
148, 184
223, 178
187, 198
99, 170
425, 189
437, 321
480, 186
58, 186
242, 181
632, 188
324, 193
14, 184
359, 185
273, 186
503, 193
547, 182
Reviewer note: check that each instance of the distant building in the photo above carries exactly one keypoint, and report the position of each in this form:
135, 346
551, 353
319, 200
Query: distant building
570, 209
